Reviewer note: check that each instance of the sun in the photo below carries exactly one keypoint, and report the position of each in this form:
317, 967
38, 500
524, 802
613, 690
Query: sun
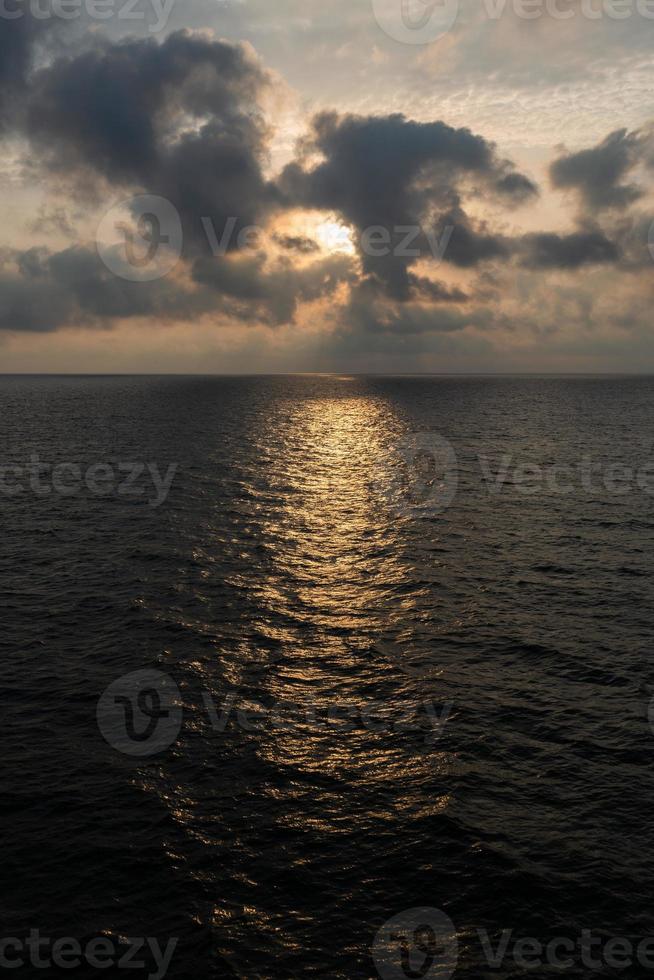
332, 236
323, 231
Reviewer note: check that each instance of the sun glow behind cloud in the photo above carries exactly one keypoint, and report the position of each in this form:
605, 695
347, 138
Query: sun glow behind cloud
330, 139
324, 231
334, 237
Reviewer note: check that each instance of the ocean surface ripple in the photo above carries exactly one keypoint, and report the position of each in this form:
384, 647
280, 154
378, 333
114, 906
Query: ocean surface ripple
290, 566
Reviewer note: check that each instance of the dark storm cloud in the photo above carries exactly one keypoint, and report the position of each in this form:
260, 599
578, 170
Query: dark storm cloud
182, 119
30, 300
16, 39
19, 39
598, 173
371, 164
42, 291
112, 108
635, 234
551, 251
517, 188
250, 291
368, 314
178, 119
297, 243
102, 295
391, 172
470, 245
436, 292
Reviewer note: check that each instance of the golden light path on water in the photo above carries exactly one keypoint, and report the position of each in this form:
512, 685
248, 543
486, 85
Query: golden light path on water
339, 556
284, 572
332, 576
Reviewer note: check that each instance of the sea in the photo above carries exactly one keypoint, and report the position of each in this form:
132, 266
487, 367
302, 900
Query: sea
329, 676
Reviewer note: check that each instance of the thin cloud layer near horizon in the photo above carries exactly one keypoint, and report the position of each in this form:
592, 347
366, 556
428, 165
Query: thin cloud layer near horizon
385, 185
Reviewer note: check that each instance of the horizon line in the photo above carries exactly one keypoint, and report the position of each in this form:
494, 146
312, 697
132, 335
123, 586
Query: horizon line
327, 374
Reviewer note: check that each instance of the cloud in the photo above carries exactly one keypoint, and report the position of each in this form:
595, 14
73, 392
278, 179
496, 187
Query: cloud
178, 119
598, 173
517, 188
248, 290
183, 119
436, 292
41, 291
297, 243
20, 37
54, 220
470, 244
369, 315
396, 174
551, 251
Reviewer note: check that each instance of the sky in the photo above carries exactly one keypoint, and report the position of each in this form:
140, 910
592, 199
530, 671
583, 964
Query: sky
242, 186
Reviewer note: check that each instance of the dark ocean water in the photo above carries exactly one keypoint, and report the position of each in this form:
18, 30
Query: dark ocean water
306, 556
